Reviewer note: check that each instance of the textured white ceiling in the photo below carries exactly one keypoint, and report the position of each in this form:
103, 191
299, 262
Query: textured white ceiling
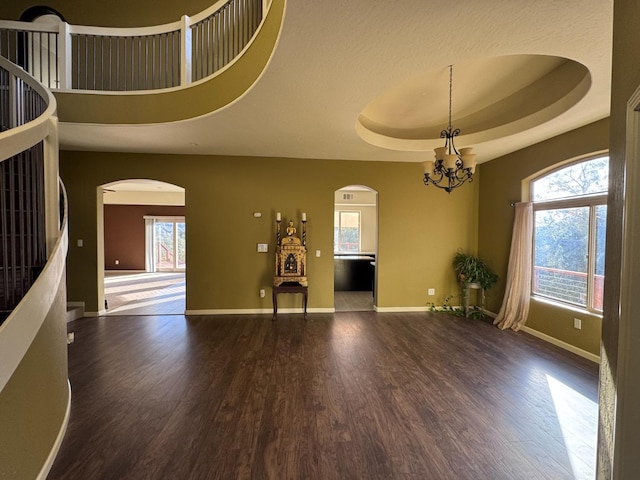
334, 58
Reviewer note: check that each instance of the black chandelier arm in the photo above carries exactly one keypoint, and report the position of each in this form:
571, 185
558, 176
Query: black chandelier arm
449, 133
454, 178
463, 174
434, 179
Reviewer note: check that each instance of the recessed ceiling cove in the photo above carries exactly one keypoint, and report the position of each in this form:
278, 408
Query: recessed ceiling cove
491, 98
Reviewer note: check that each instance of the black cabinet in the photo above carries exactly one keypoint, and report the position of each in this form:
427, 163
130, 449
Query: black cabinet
353, 273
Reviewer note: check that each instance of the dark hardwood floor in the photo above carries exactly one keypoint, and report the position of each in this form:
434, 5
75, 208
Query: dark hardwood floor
343, 396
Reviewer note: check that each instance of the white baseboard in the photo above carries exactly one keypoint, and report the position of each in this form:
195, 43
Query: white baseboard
555, 341
46, 468
75, 310
254, 311
95, 314
320, 310
561, 344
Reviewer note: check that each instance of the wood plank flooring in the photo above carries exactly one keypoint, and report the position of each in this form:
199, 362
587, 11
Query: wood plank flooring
342, 396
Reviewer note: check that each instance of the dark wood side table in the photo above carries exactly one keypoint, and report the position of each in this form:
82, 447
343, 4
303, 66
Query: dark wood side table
289, 289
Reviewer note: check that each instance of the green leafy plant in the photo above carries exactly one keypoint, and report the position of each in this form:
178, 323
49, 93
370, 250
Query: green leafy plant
472, 269
446, 307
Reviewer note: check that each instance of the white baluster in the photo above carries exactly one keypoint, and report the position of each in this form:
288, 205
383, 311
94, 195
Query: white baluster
64, 57
185, 51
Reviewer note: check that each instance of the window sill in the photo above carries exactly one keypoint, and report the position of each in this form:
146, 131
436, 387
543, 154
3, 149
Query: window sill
565, 306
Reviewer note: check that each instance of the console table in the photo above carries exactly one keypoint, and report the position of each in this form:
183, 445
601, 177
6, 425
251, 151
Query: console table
289, 289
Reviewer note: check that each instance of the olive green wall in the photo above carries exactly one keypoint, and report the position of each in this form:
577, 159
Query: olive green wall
501, 184
420, 228
110, 13
34, 401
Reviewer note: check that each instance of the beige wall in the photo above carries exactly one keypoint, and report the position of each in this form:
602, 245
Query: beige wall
417, 237
501, 184
34, 401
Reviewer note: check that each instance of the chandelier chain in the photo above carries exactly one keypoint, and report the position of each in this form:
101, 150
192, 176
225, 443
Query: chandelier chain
450, 93
451, 168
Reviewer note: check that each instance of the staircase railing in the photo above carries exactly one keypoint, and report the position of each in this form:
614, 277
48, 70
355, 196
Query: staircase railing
71, 57
29, 213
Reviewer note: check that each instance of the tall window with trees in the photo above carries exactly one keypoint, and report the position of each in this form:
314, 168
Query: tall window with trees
570, 209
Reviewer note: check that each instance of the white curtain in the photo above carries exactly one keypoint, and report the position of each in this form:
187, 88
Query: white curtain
149, 247
515, 305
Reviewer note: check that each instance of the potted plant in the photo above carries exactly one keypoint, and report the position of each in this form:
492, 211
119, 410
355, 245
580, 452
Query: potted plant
472, 269
473, 272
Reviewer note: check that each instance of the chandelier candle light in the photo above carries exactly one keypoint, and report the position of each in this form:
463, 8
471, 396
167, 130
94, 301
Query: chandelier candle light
452, 167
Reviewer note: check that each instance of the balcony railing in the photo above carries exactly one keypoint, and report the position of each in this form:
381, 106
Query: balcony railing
26, 109
70, 57
568, 286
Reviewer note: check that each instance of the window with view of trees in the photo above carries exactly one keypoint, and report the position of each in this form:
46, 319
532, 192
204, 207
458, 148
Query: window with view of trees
346, 231
170, 244
570, 210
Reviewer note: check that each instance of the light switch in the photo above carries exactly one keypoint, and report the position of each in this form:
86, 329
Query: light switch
317, 253
263, 247
80, 243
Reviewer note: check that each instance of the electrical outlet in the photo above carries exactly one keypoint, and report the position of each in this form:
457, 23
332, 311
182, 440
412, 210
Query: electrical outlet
432, 291
577, 323
262, 293
263, 247
117, 262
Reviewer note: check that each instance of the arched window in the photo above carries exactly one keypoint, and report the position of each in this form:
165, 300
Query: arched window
570, 211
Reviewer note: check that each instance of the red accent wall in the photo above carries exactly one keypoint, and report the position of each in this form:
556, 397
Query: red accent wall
124, 233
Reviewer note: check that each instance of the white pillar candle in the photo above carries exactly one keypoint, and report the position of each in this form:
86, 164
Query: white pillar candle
304, 216
278, 217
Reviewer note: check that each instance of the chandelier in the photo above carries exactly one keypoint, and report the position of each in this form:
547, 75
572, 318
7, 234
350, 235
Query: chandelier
451, 167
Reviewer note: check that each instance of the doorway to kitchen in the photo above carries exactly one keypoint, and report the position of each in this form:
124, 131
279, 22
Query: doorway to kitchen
355, 248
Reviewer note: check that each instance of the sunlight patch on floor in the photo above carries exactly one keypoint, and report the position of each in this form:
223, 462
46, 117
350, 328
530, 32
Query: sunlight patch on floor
574, 411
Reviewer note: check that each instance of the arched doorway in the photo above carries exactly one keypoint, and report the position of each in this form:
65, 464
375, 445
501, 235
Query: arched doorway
355, 248
144, 246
